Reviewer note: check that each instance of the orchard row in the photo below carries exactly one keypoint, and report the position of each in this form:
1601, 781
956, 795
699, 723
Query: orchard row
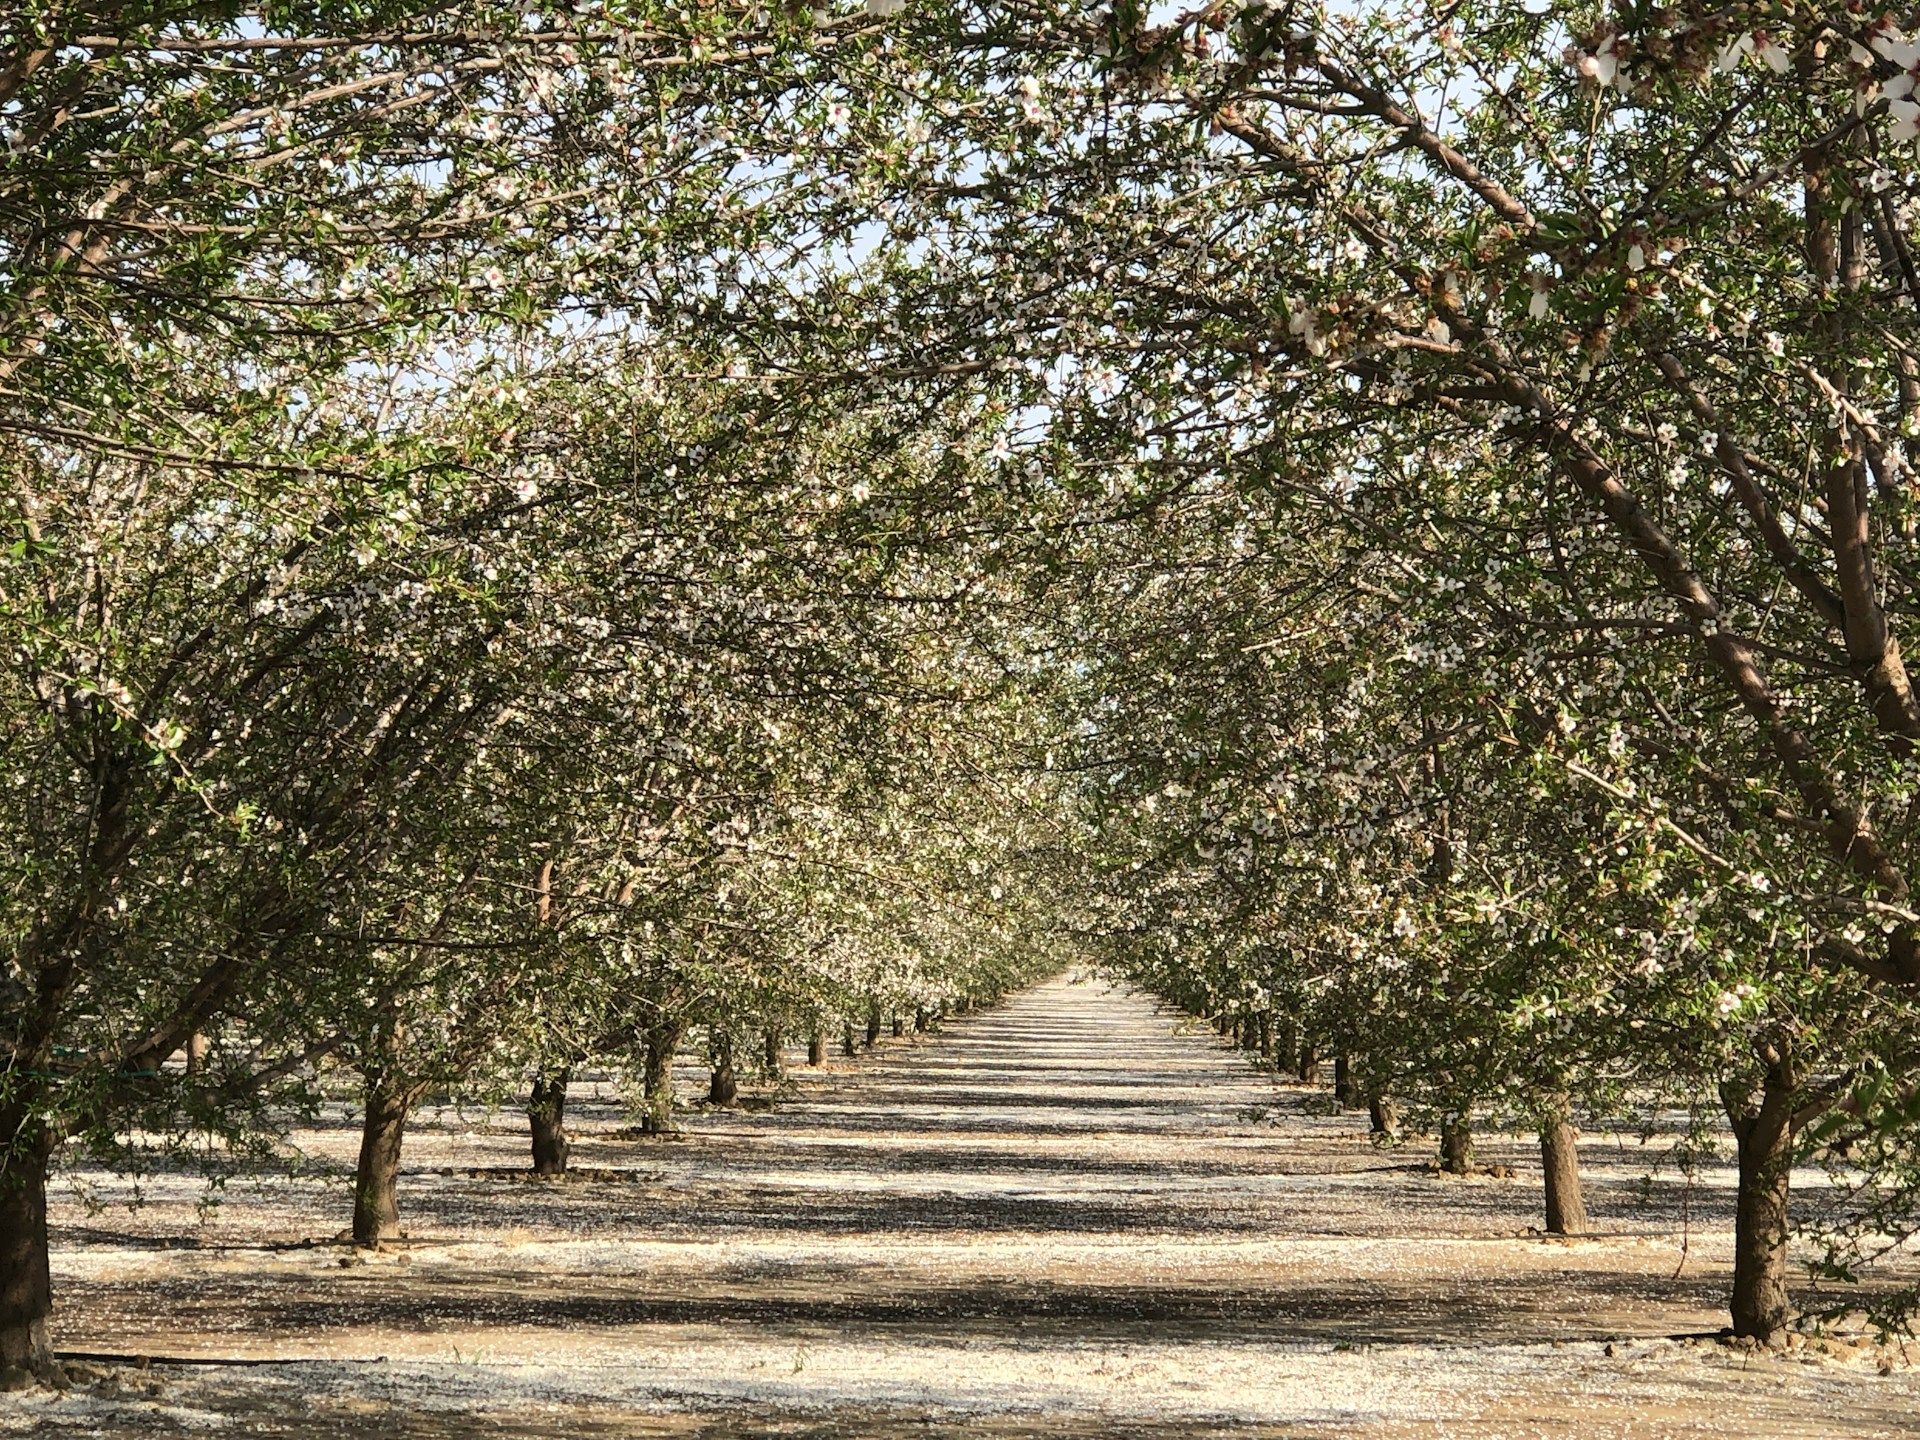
529, 526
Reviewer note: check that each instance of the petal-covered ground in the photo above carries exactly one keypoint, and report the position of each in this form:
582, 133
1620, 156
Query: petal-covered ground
1067, 1217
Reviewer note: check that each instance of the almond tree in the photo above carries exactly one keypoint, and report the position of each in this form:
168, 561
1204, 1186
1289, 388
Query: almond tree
250, 582
1664, 284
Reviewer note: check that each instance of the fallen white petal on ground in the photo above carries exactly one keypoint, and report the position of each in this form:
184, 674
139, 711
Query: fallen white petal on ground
1071, 1216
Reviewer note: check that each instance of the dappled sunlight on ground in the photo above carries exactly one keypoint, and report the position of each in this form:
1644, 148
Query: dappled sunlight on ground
1068, 1217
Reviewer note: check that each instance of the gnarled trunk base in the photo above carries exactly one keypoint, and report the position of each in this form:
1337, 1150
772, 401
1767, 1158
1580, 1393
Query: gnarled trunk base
547, 1115
26, 1284
656, 1114
376, 1181
722, 1087
1346, 1090
1760, 1306
1566, 1204
1383, 1116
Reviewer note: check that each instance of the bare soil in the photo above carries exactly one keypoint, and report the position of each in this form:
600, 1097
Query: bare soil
1069, 1217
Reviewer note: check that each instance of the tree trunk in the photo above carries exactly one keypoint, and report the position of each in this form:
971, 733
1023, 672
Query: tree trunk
770, 1053
376, 1206
1345, 1089
1560, 1160
1266, 1033
816, 1047
26, 1284
847, 1047
197, 1047
1456, 1144
722, 1089
656, 1115
1763, 1130
899, 1025
1309, 1066
547, 1114
921, 1020
873, 1021
1382, 1116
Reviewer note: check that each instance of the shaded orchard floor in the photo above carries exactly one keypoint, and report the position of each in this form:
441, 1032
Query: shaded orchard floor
1064, 1218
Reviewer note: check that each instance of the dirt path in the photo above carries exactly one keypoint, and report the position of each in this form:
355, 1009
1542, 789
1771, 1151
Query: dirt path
1062, 1218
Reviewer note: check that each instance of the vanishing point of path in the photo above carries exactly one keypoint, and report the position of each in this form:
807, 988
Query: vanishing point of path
1071, 1216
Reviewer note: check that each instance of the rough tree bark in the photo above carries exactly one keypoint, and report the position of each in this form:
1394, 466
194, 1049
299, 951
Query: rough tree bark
873, 1021
1383, 1116
723, 1088
816, 1047
1762, 1119
656, 1115
1309, 1066
547, 1116
1346, 1089
1456, 1144
376, 1205
26, 1285
899, 1025
921, 1020
1560, 1162
1266, 1034
770, 1053
847, 1047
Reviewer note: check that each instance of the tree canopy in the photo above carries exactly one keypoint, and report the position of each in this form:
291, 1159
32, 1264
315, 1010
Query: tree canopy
535, 531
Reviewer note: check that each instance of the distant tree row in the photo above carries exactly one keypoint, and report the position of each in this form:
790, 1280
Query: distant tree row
540, 532
436, 657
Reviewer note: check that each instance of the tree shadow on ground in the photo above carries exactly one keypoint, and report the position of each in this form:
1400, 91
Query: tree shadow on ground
837, 1302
